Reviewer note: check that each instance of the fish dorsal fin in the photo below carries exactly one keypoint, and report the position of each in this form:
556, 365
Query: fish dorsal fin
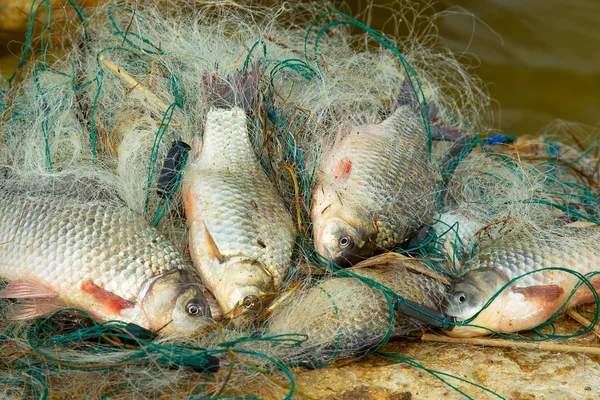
548, 292
27, 289
211, 246
395, 260
408, 98
407, 95
341, 133
196, 145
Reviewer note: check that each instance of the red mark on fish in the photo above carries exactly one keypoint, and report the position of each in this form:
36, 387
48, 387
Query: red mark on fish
343, 168
109, 301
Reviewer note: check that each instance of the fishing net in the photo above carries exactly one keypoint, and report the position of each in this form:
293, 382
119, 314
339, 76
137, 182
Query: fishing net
101, 102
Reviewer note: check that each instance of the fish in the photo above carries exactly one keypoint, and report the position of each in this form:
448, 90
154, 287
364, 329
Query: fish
241, 235
528, 301
343, 316
99, 257
376, 185
458, 232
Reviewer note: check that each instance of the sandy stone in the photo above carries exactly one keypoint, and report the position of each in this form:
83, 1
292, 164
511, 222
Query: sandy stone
511, 373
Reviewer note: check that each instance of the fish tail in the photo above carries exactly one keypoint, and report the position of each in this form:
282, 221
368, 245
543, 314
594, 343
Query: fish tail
240, 89
439, 131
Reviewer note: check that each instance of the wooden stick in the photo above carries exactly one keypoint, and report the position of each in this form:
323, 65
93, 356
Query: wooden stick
595, 350
583, 321
132, 82
281, 299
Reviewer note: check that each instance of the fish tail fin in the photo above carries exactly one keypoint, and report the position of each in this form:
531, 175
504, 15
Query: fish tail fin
27, 289
439, 131
32, 308
240, 89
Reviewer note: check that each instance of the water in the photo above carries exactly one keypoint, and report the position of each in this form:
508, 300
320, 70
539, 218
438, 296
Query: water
541, 58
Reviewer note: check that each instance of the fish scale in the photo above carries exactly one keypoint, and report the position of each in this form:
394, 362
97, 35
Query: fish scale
378, 179
518, 259
80, 244
392, 155
62, 245
343, 315
531, 299
241, 234
235, 217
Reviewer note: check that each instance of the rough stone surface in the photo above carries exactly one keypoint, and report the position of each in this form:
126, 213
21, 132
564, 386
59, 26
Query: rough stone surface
511, 373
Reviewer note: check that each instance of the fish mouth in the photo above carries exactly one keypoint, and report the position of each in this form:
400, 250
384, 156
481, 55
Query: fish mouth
246, 285
484, 324
159, 295
346, 259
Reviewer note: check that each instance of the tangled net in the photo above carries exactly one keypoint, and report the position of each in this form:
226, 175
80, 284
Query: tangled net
99, 105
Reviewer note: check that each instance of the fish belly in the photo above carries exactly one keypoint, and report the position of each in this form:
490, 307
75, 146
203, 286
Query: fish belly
228, 194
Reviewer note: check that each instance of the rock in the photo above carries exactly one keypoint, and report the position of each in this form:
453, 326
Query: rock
512, 374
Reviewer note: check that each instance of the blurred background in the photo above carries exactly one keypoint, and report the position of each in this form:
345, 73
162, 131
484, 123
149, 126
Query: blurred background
540, 58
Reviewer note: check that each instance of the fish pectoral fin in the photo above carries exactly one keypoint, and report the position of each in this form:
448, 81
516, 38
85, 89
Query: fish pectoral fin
104, 300
547, 293
27, 289
211, 246
33, 308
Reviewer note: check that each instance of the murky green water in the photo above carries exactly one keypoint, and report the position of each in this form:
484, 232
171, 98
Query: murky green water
541, 58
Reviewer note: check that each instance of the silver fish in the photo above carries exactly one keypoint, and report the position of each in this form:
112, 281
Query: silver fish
528, 301
374, 187
241, 235
342, 316
104, 259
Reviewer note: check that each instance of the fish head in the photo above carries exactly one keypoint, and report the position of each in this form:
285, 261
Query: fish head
526, 303
245, 289
469, 295
342, 242
174, 303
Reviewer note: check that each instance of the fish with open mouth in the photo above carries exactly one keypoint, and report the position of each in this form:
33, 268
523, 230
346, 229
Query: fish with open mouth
102, 258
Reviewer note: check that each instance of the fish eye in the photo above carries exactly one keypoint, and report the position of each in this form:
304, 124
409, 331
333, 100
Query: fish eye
250, 301
346, 241
193, 307
459, 297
